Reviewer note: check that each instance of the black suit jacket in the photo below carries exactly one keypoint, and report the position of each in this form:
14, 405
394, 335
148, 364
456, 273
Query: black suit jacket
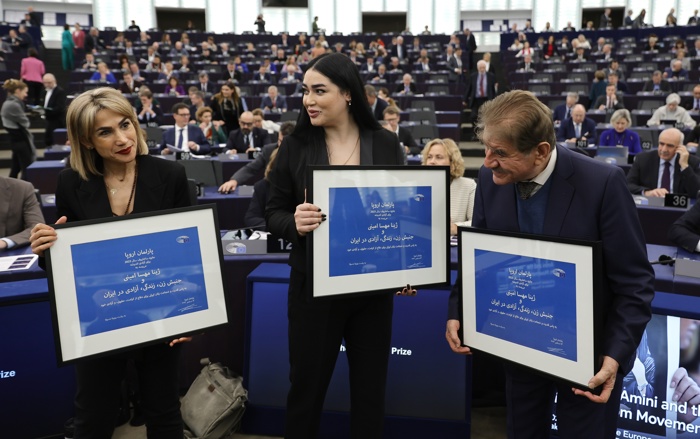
400, 88
407, 139
288, 181
55, 111
161, 184
603, 100
379, 109
664, 85
644, 175
472, 87
236, 141
256, 168
685, 232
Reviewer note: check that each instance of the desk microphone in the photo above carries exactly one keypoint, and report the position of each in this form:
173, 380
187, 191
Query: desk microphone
664, 260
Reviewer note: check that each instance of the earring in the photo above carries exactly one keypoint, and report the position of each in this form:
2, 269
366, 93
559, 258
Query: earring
349, 103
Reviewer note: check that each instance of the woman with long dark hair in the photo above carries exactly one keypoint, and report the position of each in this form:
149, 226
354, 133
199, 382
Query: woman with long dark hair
336, 127
227, 106
15, 121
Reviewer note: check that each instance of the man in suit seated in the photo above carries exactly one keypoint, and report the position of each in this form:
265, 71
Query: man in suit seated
273, 102
263, 75
184, 135
577, 127
129, 85
676, 71
614, 67
378, 105
392, 116
292, 76
230, 72
395, 66
378, 76
527, 65
19, 212
247, 137
563, 111
657, 83
610, 102
423, 63
692, 103
670, 169
369, 66
407, 87
614, 79
246, 175
695, 51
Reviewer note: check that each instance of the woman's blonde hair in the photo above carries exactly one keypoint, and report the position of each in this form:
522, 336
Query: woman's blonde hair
200, 112
453, 153
11, 85
80, 121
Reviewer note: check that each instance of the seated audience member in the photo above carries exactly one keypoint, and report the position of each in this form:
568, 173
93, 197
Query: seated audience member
184, 64
445, 152
178, 50
369, 66
240, 66
692, 138
580, 55
685, 61
583, 42
103, 74
671, 111
692, 103
183, 135
527, 65
19, 212
395, 66
174, 87
150, 113
614, 79
577, 127
657, 83
619, 135
204, 83
614, 67
423, 64
685, 231
247, 174
597, 87
695, 51
168, 71
291, 74
211, 129
156, 65
563, 111
670, 169
129, 85
676, 71
259, 121
273, 102
231, 73
197, 101
247, 137
407, 87
392, 116
89, 62
610, 101
379, 76
262, 75
550, 48
377, 105
135, 71
526, 50
383, 94
207, 57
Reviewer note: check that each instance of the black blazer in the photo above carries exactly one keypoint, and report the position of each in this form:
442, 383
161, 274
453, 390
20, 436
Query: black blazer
685, 232
664, 86
235, 139
644, 175
55, 111
400, 88
472, 87
407, 139
379, 109
256, 168
161, 184
288, 181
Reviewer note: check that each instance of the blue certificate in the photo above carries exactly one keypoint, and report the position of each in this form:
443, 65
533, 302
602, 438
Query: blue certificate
379, 229
139, 279
527, 300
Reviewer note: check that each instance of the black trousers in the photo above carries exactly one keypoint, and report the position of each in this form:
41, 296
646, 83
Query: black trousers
22, 154
34, 95
529, 398
316, 330
99, 386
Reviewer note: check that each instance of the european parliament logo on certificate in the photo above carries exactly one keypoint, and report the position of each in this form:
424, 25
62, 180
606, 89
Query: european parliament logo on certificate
122, 282
387, 227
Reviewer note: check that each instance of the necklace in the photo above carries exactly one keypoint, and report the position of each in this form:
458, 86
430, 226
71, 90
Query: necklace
113, 191
328, 151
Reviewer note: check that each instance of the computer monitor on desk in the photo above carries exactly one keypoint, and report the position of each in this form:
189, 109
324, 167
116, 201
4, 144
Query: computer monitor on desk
614, 155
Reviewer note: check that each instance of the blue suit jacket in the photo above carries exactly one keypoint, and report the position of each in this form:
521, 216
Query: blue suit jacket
588, 200
559, 113
567, 131
194, 134
281, 102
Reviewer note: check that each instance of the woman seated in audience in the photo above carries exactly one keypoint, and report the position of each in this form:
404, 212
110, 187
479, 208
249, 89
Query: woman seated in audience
516, 46
679, 45
103, 74
445, 152
124, 62
212, 129
165, 40
550, 48
526, 50
619, 134
360, 49
685, 61
174, 87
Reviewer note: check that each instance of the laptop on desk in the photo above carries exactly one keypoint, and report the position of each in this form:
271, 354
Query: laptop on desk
614, 155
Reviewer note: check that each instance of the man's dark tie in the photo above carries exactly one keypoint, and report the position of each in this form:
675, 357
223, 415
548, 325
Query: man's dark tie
247, 141
568, 113
666, 177
526, 188
481, 86
697, 105
179, 141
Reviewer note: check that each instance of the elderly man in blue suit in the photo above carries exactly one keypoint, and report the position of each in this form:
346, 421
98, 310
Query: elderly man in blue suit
530, 185
184, 135
577, 127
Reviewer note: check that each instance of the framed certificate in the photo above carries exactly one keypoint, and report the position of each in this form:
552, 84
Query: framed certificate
118, 283
387, 227
532, 300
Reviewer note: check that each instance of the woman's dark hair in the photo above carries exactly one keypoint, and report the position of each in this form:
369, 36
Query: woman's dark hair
32, 52
66, 26
344, 74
